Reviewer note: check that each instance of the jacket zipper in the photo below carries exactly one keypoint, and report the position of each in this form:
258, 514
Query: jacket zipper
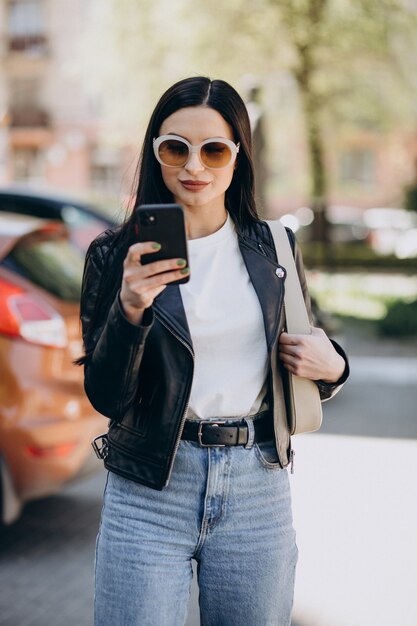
259, 249
292, 455
184, 415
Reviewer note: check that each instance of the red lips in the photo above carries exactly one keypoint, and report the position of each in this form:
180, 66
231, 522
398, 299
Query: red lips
193, 185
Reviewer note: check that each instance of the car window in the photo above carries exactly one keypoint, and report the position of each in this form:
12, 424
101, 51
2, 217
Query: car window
83, 223
83, 228
54, 264
74, 217
68, 213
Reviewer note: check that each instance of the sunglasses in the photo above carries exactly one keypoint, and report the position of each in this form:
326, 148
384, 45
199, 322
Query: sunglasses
215, 154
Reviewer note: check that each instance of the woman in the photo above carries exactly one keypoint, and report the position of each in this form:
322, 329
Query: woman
198, 441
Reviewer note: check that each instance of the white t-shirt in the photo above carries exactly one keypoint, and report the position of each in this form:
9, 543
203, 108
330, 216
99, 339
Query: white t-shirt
227, 329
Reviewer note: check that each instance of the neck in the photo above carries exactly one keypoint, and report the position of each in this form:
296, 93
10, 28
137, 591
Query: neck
201, 223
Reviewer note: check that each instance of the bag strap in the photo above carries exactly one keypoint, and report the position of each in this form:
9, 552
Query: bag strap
296, 315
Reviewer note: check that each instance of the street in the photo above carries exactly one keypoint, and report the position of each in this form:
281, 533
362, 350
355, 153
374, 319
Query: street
355, 505
355, 510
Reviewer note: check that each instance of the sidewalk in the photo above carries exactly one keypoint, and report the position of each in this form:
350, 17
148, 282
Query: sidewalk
355, 497
355, 511
360, 340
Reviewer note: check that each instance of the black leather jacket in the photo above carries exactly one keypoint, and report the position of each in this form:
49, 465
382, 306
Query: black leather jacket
140, 376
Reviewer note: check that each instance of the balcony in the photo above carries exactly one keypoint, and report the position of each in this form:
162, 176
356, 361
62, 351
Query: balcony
29, 117
31, 44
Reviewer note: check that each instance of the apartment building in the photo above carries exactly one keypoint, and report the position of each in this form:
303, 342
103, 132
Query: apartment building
50, 126
48, 122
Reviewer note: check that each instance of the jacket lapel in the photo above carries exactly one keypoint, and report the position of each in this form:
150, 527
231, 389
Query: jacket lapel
267, 278
169, 307
268, 281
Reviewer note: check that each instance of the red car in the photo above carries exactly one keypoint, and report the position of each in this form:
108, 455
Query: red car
46, 421
84, 222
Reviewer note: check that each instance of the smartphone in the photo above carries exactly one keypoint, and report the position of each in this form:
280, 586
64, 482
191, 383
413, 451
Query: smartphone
165, 224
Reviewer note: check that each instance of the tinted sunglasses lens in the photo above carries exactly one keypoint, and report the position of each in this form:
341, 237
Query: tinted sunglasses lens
173, 152
216, 154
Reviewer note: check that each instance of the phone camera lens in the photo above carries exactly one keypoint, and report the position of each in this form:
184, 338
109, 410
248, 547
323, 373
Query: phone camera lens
147, 219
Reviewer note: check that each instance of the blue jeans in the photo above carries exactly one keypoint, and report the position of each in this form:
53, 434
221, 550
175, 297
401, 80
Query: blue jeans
227, 508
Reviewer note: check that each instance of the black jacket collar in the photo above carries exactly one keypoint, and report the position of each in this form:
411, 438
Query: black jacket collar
265, 274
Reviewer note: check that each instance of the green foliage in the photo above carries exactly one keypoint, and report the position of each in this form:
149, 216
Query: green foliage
351, 61
343, 55
349, 55
400, 320
349, 256
352, 56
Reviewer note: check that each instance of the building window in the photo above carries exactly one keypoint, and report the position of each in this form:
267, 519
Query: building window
28, 164
105, 169
26, 26
25, 92
25, 103
105, 178
359, 166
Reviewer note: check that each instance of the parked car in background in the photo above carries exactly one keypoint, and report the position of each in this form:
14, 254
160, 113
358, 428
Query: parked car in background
385, 230
345, 222
84, 222
392, 231
46, 421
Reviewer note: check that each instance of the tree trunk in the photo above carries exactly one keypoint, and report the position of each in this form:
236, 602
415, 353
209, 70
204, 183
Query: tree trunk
318, 177
311, 103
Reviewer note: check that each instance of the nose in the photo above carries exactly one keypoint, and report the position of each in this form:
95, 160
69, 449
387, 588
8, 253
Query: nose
194, 164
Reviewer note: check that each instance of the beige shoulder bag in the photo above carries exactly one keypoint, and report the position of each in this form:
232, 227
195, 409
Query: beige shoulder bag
302, 399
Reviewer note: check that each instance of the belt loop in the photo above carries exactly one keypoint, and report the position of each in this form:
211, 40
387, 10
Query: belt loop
251, 433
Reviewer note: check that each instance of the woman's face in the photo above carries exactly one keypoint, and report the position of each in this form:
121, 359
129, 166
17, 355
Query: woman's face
193, 185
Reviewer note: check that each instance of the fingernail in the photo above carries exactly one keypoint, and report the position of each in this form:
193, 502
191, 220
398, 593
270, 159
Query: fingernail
186, 270
181, 262
156, 246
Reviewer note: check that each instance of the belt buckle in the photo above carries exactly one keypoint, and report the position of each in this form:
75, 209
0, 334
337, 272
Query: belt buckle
200, 435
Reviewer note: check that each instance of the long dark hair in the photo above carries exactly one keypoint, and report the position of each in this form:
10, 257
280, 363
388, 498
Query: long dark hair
150, 188
217, 95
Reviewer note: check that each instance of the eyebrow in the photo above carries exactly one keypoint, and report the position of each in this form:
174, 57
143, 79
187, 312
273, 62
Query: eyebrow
186, 139
177, 135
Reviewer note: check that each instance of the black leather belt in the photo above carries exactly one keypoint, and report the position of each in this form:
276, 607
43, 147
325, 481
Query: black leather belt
212, 433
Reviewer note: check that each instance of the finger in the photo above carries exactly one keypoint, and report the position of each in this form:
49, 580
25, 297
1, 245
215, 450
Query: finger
290, 350
136, 270
289, 366
158, 267
137, 249
144, 286
293, 354
289, 340
285, 339
292, 364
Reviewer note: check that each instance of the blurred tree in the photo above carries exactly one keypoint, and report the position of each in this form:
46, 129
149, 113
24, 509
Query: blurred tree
410, 201
350, 59
257, 120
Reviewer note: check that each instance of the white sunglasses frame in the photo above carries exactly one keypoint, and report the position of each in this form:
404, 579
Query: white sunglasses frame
234, 149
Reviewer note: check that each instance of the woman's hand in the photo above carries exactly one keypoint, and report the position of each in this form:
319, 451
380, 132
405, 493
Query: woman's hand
311, 356
142, 283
